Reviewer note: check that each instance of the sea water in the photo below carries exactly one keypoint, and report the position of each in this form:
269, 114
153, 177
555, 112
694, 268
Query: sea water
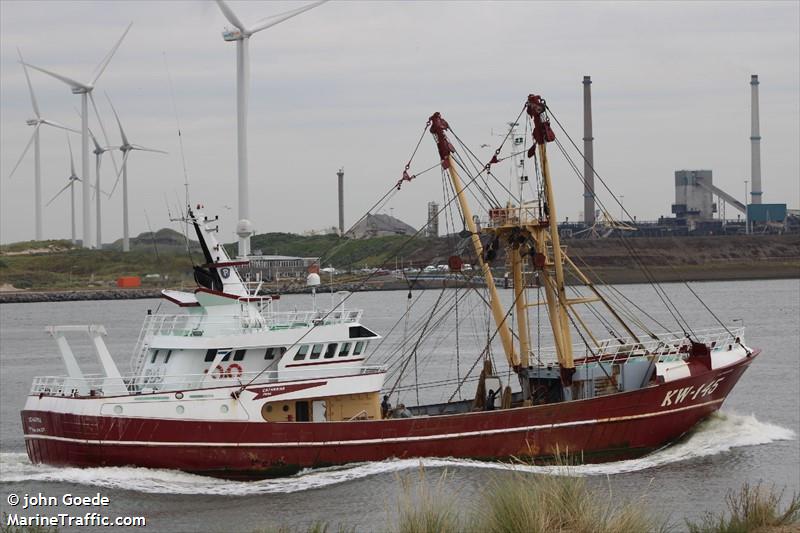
753, 439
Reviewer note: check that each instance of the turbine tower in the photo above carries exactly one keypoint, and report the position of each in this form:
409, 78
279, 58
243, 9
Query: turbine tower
241, 34
98, 154
37, 162
126, 148
85, 90
70, 185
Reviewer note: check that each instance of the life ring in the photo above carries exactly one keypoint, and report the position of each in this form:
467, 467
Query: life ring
218, 372
234, 366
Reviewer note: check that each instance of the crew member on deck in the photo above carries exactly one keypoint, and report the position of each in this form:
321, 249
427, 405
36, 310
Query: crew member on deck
490, 396
386, 407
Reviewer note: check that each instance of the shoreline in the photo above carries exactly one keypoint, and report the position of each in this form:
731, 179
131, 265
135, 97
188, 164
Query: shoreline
609, 275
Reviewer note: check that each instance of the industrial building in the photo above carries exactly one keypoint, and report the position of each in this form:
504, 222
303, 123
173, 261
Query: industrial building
277, 267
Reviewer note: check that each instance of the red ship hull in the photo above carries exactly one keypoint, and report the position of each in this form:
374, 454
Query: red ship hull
614, 427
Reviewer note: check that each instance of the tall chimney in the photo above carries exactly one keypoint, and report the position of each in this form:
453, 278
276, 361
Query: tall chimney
340, 174
755, 143
588, 153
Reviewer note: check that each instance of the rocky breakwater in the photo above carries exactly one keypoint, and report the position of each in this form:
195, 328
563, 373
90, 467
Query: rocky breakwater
23, 296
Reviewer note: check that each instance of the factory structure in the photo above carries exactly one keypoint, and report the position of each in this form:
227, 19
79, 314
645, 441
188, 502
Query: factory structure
700, 207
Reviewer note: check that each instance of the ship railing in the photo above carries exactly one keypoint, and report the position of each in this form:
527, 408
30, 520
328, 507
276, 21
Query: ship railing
160, 383
195, 325
529, 214
668, 346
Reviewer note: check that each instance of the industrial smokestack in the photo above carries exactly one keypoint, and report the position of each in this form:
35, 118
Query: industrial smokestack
588, 153
755, 143
340, 174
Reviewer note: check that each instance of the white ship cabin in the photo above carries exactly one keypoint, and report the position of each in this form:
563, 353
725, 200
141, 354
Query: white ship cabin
234, 343
230, 334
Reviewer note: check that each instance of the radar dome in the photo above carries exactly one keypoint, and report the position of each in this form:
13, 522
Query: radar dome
244, 228
312, 280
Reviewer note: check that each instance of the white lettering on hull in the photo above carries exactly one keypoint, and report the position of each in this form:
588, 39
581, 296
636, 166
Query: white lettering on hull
678, 396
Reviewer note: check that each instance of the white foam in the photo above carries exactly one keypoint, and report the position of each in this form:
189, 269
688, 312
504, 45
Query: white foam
719, 434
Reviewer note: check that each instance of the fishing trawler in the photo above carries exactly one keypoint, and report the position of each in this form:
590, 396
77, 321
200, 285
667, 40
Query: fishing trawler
232, 386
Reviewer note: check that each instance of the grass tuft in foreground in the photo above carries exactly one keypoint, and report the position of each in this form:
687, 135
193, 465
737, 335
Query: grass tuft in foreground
541, 503
751, 508
424, 508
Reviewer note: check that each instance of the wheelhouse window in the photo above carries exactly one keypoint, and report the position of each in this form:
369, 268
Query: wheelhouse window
239, 355
316, 350
166, 359
360, 345
301, 352
345, 350
274, 351
210, 355
155, 356
330, 351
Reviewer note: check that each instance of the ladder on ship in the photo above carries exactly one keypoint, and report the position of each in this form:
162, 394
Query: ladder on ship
142, 346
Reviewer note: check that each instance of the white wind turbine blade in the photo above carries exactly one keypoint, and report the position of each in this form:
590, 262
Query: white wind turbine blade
103, 128
67, 186
71, 160
231, 16
58, 125
145, 149
277, 19
104, 63
25, 151
69, 81
121, 131
119, 174
30, 87
97, 146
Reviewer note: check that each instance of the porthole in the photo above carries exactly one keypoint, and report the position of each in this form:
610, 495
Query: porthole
269, 408
179, 395
179, 409
223, 408
118, 409
285, 408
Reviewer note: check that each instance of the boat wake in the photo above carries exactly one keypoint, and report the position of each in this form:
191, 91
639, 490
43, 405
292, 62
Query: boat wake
719, 434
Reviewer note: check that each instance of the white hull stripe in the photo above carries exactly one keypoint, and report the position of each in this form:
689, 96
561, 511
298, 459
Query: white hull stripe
445, 436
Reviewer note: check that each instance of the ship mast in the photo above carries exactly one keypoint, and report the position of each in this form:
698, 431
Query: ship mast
554, 288
438, 127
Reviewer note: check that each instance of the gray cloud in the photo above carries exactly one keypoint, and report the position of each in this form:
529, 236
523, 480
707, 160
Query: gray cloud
352, 83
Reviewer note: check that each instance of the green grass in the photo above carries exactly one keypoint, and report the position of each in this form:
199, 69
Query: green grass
427, 508
78, 268
751, 508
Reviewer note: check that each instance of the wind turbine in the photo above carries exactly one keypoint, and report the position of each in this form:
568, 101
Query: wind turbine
126, 148
241, 34
37, 163
85, 90
71, 186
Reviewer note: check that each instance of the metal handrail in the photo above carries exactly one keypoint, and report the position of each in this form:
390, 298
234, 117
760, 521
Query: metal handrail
138, 384
666, 346
188, 325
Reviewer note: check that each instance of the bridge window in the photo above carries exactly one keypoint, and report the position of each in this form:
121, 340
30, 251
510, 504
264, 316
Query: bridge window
301, 352
358, 348
330, 351
210, 355
273, 351
357, 332
345, 351
155, 356
166, 359
239, 355
316, 351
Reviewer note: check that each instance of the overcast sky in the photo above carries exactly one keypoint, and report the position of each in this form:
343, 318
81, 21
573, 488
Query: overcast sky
352, 83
